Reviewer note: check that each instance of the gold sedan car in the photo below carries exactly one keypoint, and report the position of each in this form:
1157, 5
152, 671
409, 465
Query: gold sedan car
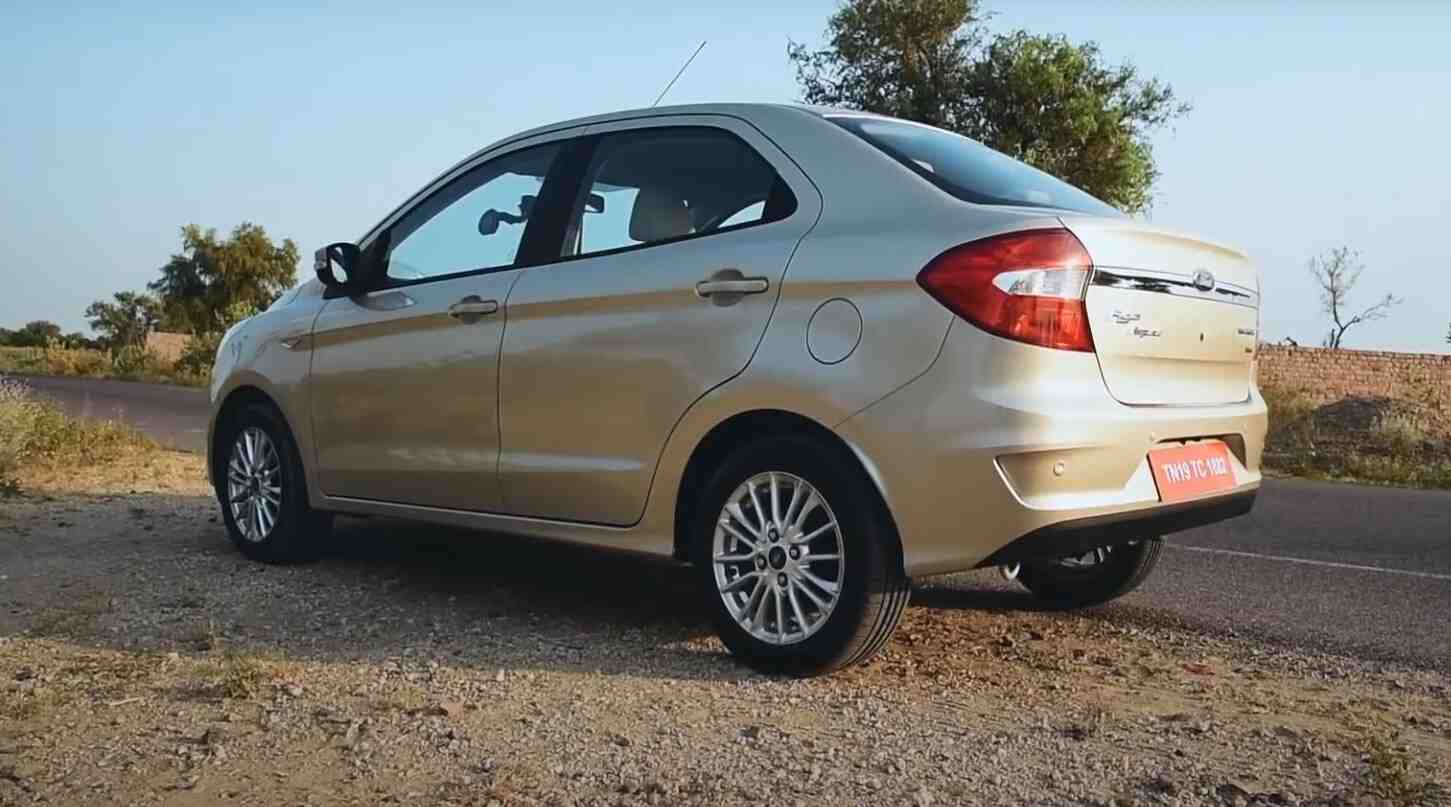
813, 353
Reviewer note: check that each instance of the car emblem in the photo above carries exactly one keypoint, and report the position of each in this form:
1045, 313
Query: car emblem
1204, 280
1125, 317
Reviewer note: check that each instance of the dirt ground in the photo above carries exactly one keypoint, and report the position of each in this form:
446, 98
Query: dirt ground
144, 661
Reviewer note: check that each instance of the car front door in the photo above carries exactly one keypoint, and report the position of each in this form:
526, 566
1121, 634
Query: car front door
404, 377
673, 254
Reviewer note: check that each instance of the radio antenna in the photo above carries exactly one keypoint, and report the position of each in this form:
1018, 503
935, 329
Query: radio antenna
678, 74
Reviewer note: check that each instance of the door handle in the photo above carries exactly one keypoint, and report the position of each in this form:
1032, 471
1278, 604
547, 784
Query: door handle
727, 286
748, 285
472, 308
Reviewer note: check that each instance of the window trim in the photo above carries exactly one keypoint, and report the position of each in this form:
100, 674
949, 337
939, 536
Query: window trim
528, 240
577, 144
562, 170
591, 148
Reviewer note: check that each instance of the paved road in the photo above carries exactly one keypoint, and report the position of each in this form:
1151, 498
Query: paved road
1326, 565
174, 416
1338, 567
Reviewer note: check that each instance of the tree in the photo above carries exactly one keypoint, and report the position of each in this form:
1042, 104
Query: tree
213, 283
1336, 272
39, 333
126, 322
1448, 334
1042, 99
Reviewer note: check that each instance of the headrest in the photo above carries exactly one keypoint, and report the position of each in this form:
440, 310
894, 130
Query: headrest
658, 215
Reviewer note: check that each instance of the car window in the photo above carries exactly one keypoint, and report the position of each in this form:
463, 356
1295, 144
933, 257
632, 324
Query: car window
475, 222
653, 185
967, 169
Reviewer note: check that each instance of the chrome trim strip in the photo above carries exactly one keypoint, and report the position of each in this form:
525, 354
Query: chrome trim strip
1179, 285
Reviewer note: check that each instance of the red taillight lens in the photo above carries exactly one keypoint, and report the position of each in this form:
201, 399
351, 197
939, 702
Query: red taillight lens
1026, 286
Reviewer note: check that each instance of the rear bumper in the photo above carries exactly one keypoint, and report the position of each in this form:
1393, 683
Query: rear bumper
1079, 535
1001, 444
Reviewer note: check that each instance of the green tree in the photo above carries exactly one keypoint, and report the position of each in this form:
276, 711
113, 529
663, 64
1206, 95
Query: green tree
76, 340
213, 283
1044, 100
39, 333
126, 321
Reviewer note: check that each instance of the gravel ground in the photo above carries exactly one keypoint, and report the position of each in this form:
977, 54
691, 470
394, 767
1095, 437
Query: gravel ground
142, 660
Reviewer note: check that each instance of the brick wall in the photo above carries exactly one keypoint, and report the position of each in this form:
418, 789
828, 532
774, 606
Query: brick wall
1355, 390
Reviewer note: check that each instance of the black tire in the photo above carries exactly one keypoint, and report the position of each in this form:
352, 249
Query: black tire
300, 532
1124, 568
873, 592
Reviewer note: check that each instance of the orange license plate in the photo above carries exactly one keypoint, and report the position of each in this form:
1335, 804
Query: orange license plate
1189, 471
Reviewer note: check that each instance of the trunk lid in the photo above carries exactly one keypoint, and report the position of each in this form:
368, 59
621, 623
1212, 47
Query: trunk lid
1174, 318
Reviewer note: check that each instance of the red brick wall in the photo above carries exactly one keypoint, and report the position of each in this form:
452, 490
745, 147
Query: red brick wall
1324, 376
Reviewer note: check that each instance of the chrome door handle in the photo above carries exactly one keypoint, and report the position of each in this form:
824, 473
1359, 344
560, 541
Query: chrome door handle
746, 285
471, 308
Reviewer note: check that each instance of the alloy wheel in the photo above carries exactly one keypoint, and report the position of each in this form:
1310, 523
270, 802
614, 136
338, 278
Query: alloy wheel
254, 484
778, 558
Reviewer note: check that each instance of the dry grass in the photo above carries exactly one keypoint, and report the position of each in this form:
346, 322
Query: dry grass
35, 435
1396, 449
1393, 774
128, 365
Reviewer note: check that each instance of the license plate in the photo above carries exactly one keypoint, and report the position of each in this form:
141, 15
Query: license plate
1185, 472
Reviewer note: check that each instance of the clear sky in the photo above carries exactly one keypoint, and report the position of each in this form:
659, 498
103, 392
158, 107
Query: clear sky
1315, 124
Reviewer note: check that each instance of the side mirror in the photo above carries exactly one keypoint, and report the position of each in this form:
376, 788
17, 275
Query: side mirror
594, 203
489, 222
338, 266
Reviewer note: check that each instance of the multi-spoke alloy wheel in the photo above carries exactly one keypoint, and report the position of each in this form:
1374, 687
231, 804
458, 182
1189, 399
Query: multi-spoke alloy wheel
778, 557
254, 484
800, 563
262, 490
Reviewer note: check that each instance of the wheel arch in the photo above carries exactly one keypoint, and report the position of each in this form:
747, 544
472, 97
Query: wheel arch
742, 427
236, 399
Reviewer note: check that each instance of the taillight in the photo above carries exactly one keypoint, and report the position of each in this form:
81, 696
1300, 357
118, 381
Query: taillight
1026, 286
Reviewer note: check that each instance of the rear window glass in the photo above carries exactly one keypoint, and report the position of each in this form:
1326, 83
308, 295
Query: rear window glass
969, 170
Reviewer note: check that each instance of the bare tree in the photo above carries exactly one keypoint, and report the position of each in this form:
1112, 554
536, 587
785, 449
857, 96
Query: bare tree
1336, 272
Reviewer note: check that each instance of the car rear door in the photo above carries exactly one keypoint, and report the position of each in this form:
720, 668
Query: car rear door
404, 377
673, 256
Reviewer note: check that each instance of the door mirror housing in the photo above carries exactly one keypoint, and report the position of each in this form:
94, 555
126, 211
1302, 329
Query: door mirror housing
339, 267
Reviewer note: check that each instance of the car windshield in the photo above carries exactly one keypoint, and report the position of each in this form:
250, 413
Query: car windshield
967, 169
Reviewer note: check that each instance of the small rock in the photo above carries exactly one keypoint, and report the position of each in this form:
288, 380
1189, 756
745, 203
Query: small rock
293, 690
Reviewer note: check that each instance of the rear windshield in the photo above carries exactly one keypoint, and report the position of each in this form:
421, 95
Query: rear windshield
969, 170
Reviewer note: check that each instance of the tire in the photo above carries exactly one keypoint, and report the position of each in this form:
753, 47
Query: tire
871, 590
296, 533
1117, 571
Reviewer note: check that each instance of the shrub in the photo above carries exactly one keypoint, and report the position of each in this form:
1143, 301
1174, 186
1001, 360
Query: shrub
196, 359
1290, 444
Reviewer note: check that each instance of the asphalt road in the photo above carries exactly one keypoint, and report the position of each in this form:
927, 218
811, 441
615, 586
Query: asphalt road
1341, 568
174, 416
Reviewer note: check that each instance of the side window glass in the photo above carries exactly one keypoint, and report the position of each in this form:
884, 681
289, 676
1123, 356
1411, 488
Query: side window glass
654, 185
475, 222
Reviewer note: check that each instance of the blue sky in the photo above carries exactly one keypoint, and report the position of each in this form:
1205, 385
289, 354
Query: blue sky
1315, 124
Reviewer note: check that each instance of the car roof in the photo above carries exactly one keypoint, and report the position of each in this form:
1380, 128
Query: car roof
747, 111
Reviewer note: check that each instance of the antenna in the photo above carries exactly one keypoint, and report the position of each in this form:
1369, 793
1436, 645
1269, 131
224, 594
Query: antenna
678, 73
